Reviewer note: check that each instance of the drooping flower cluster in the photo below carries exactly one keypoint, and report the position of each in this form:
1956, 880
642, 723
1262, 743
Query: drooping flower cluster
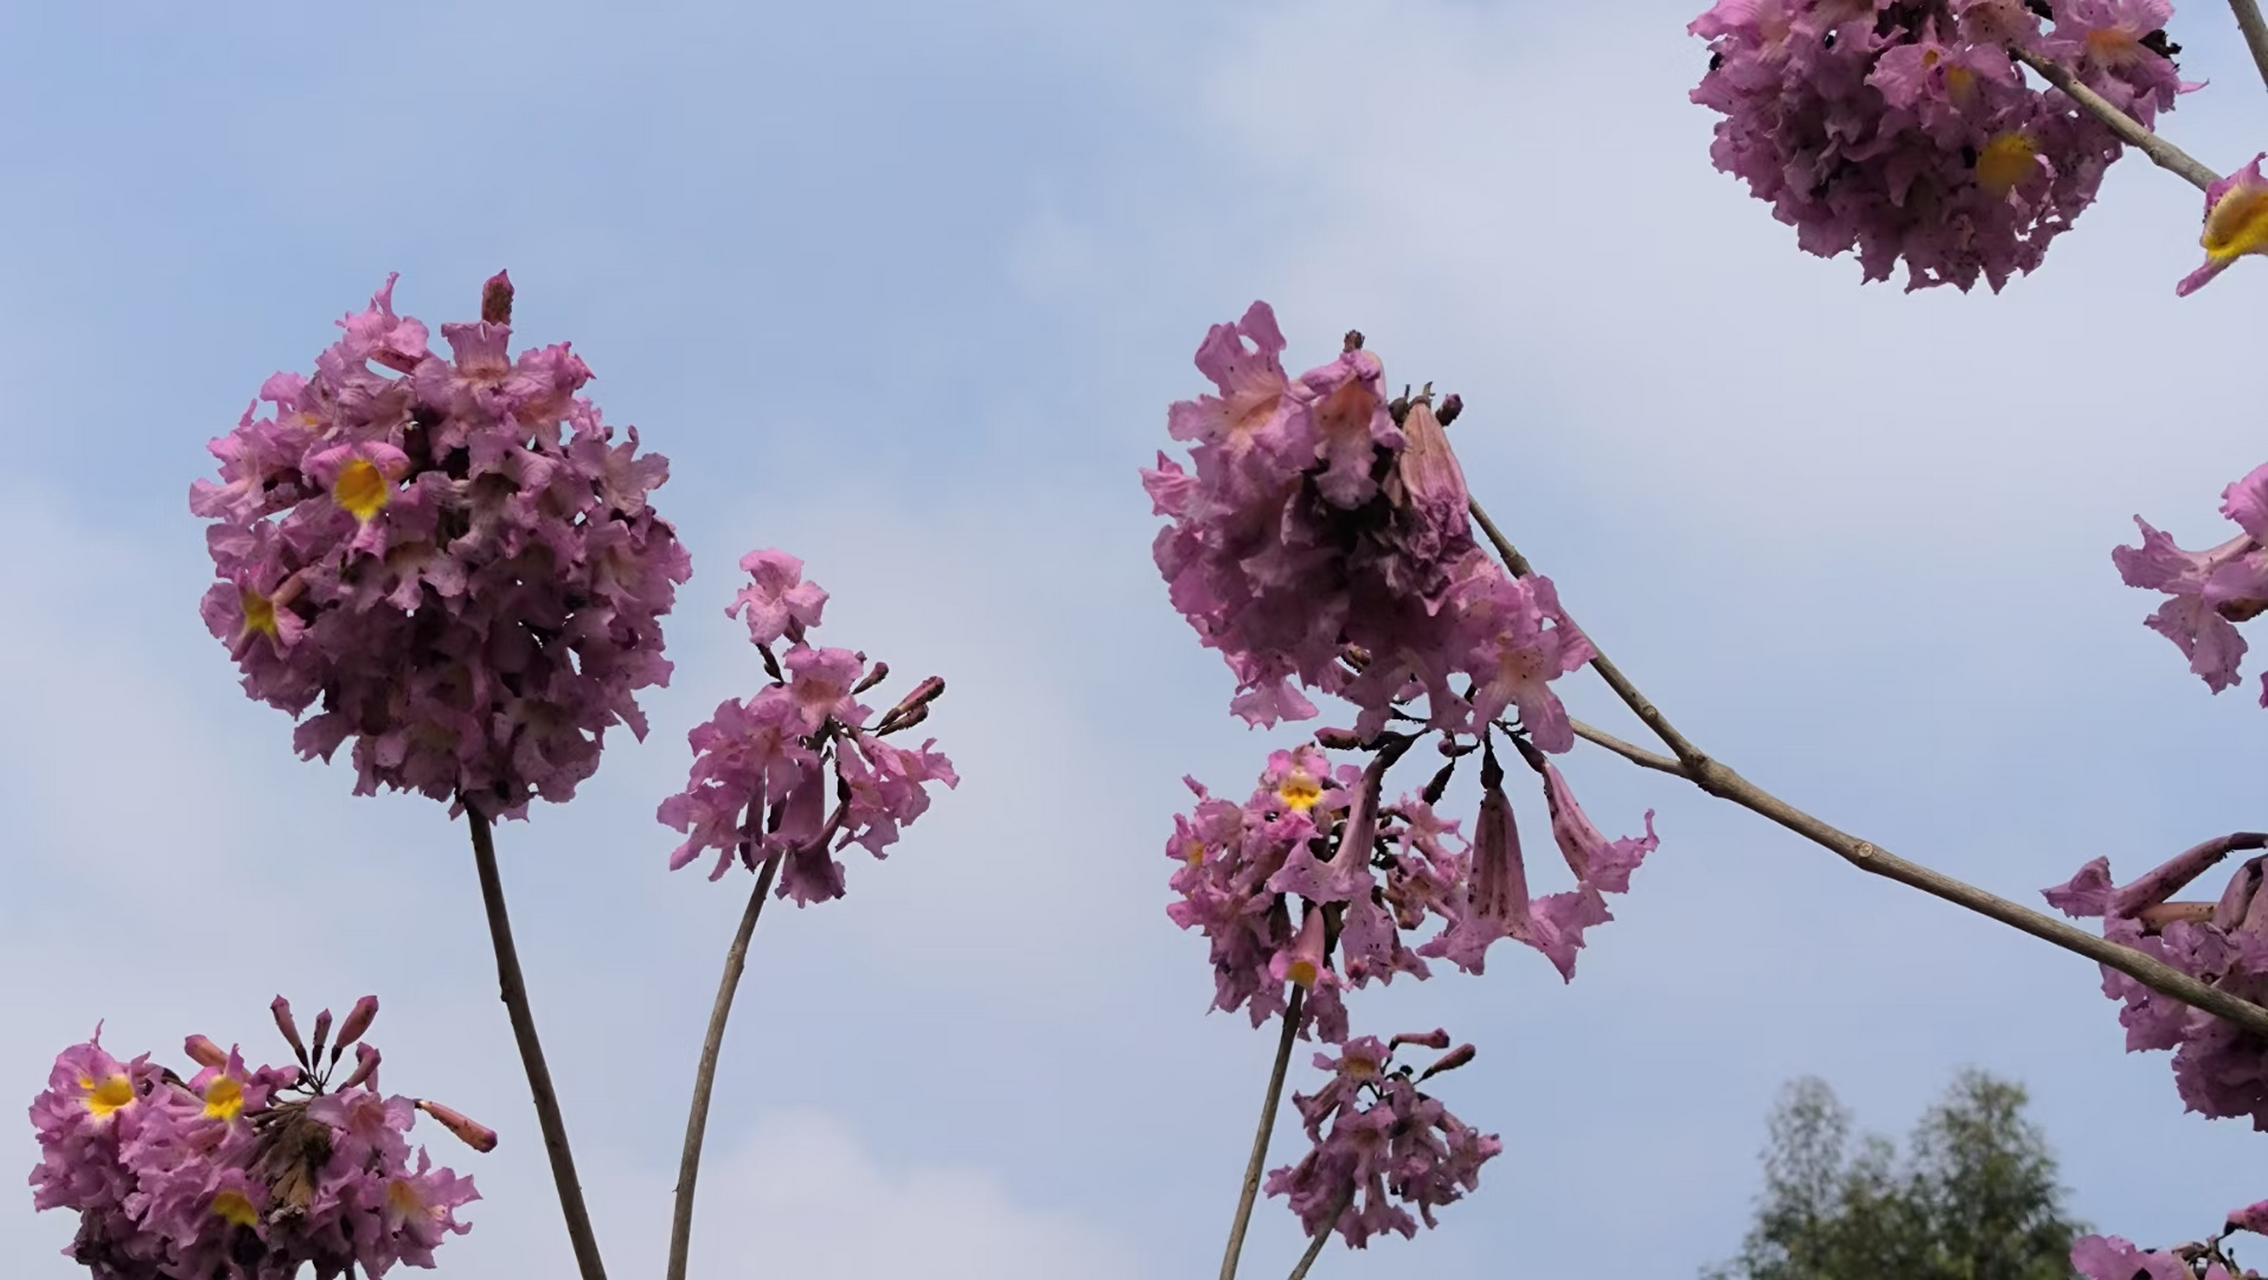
1903, 129
1380, 1144
2208, 591
1314, 882
2219, 1069
1323, 540
244, 1174
759, 786
452, 556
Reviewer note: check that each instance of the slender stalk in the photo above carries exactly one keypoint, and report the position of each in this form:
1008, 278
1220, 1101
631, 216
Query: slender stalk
1259, 1158
1643, 707
2131, 131
1323, 1237
1725, 784
705, 1079
2255, 33
512, 988
1721, 781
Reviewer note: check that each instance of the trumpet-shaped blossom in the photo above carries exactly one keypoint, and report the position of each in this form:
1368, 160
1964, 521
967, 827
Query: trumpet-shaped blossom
241, 1173
1381, 1146
759, 786
1906, 133
2218, 1069
2208, 591
452, 560
1494, 902
2236, 224
1320, 540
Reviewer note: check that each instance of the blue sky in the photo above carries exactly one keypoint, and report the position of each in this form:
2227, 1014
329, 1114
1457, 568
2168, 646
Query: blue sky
905, 290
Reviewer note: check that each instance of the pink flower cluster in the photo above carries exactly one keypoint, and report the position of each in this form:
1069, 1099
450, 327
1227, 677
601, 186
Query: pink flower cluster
1387, 1145
2219, 1069
1362, 874
2111, 1258
2210, 591
1904, 130
759, 785
240, 1174
1322, 540
452, 556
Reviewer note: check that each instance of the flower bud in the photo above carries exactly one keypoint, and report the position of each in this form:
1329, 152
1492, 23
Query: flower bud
473, 1134
357, 1021
204, 1052
281, 1008
1438, 1038
322, 1034
1450, 1061
923, 694
365, 1068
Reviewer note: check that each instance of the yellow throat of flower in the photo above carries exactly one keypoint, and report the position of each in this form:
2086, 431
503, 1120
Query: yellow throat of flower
259, 612
2005, 163
1300, 791
108, 1097
235, 1207
362, 489
224, 1098
2238, 225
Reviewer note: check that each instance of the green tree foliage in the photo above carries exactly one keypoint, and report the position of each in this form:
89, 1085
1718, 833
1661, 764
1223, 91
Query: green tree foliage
1974, 1197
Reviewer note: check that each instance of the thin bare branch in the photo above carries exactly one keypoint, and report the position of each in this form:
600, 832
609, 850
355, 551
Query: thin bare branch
1259, 1158
2255, 33
1316, 1243
2130, 131
705, 1079
512, 988
1647, 713
1867, 856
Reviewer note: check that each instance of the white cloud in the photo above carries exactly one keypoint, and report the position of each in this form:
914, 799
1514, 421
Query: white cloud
805, 1197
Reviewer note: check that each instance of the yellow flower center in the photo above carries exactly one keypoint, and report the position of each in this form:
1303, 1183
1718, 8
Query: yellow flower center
2005, 163
1361, 1068
403, 1197
1196, 854
236, 1207
2238, 224
1300, 791
362, 489
2111, 45
224, 1099
1960, 85
108, 1097
259, 612
1303, 972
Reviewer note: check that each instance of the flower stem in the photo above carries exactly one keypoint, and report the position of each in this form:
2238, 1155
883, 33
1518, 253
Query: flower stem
2131, 131
1722, 782
1867, 856
512, 989
1259, 1159
2255, 33
705, 1079
1323, 1236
